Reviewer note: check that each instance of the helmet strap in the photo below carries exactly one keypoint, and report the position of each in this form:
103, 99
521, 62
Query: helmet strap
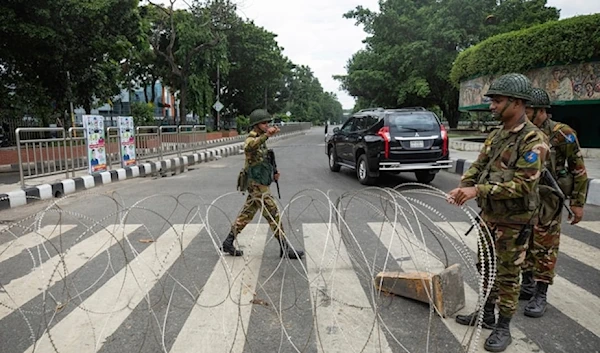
537, 114
510, 102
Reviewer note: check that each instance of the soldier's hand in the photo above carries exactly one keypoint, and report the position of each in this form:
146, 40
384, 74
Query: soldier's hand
272, 130
577, 214
452, 196
276, 176
463, 195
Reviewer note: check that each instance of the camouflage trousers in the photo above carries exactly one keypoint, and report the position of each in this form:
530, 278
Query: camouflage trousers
543, 250
259, 198
510, 256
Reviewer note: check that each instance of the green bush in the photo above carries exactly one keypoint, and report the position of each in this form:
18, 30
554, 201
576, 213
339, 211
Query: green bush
242, 123
572, 40
142, 113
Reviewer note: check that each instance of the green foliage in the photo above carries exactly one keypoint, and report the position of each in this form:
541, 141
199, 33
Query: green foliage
574, 39
45, 40
242, 123
108, 45
142, 113
411, 46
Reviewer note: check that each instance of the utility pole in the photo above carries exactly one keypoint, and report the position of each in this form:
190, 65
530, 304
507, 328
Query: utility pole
71, 101
218, 96
265, 98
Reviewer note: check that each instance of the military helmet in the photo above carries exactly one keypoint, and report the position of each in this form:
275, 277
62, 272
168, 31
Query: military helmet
511, 85
259, 116
539, 99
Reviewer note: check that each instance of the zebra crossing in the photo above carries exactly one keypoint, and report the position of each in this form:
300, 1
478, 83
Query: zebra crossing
68, 288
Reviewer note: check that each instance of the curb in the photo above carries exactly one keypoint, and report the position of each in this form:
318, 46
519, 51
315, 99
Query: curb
459, 166
174, 166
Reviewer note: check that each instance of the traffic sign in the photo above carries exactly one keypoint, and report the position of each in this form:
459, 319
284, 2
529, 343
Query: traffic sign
218, 106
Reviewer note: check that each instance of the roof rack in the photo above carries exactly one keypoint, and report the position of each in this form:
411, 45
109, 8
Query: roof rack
371, 110
408, 109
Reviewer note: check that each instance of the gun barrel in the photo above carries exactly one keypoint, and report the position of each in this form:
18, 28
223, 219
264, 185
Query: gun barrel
554, 185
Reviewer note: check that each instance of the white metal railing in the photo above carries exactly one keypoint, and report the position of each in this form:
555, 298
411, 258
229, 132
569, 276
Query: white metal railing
51, 151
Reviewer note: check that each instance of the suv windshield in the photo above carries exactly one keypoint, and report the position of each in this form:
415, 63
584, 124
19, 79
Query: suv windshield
402, 122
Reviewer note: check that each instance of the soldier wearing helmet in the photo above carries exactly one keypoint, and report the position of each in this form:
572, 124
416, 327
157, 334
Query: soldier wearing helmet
566, 165
504, 180
255, 178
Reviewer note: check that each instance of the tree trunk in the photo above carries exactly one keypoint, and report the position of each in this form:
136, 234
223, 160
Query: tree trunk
153, 87
182, 101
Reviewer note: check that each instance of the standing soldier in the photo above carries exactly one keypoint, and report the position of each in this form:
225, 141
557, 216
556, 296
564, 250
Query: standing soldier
504, 179
538, 271
257, 175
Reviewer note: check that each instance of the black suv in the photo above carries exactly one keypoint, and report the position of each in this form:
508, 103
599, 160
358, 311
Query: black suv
390, 140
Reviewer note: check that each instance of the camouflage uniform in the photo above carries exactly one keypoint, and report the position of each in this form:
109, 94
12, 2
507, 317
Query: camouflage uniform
508, 197
505, 180
255, 178
260, 176
538, 269
544, 249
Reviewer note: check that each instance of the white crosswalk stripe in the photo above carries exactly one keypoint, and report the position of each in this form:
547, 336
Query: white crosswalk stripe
23, 289
342, 314
396, 238
104, 311
219, 320
22, 242
575, 302
340, 328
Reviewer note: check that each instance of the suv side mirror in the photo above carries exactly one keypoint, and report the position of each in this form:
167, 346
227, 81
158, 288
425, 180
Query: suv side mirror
336, 129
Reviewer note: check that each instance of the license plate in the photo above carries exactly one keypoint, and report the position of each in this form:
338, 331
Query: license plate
417, 144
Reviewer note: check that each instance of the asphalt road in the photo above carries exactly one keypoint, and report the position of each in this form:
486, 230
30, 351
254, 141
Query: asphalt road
160, 284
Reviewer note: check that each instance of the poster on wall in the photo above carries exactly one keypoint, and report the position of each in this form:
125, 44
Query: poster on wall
94, 136
127, 138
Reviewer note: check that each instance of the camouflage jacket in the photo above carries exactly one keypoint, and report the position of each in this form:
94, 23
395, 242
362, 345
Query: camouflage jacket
507, 186
565, 149
257, 164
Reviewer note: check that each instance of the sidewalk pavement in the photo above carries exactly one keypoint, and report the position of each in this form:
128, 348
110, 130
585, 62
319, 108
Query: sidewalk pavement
48, 187
463, 159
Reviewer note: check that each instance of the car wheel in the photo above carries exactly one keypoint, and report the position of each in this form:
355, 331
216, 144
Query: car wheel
333, 164
362, 171
424, 176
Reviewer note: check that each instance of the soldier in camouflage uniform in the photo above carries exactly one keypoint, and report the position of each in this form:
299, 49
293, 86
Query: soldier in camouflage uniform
504, 179
538, 270
257, 175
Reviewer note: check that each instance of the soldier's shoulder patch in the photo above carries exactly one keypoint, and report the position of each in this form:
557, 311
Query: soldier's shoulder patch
531, 157
252, 134
570, 138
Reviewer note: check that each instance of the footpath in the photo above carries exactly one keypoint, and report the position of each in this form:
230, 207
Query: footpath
464, 153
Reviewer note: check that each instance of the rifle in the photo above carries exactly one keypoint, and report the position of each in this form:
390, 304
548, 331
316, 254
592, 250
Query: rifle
551, 182
271, 156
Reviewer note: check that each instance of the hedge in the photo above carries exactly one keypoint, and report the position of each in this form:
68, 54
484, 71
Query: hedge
573, 40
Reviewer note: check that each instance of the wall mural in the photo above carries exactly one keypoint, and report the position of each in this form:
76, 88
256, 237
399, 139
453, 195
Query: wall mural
563, 83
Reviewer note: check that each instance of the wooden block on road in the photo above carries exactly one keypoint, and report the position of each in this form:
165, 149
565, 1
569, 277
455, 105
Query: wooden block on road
448, 294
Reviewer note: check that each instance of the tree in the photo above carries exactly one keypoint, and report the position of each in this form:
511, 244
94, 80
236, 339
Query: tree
183, 38
412, 44
256, 67
55, 51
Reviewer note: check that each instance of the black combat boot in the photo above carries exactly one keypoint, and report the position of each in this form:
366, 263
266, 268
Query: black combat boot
489, 318
527, 286
500, 338
285, 249
228, 246
537, 304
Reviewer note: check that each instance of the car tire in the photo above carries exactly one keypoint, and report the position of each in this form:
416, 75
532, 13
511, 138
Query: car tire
362, 171
333, 164
424, 176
